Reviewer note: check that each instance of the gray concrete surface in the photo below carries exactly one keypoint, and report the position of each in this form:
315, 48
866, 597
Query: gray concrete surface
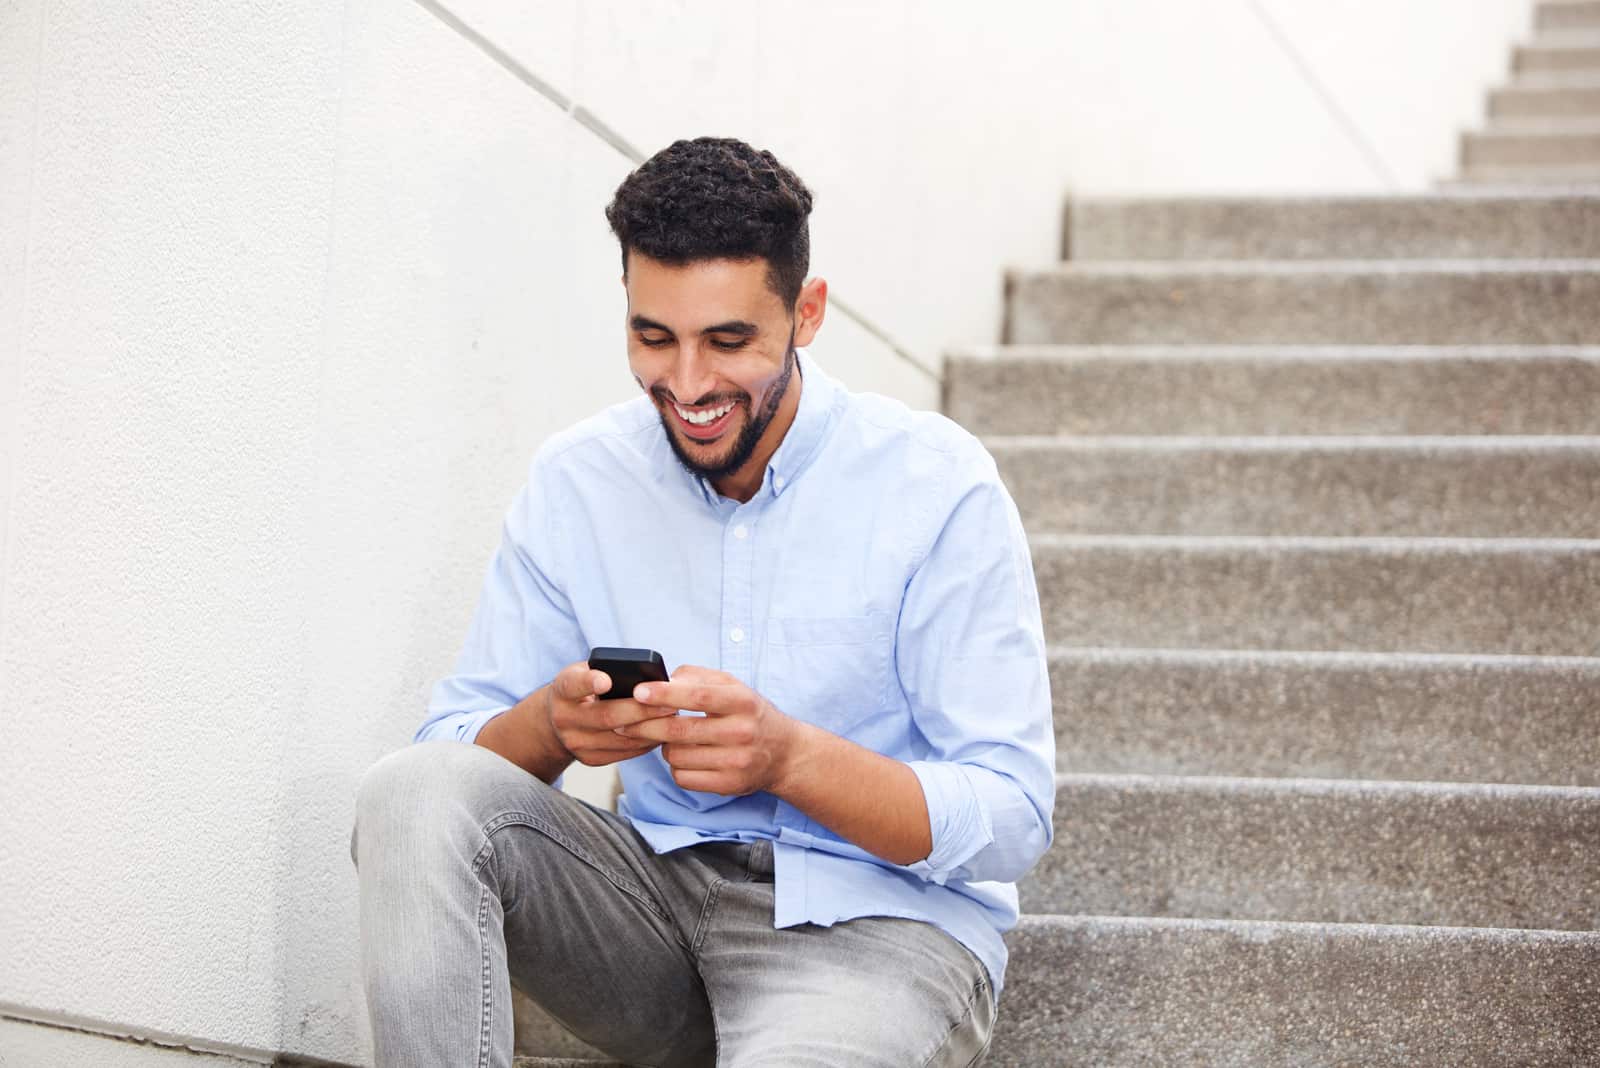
1534, 141
1280, 390
1556, 98
1422, 302
1434, 854
1094, 991
1382, 595
1493, 486
1567, 15
1378, 716
1463, 225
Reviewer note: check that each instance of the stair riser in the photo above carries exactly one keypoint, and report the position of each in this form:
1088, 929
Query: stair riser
1397, 599
1306, 306
1436, 490
1311, 229
1559, 17
1276, 394
1567, 176
1557, 61
1341, 853
1215, 714
1088, 992
1544, 103
1517, 148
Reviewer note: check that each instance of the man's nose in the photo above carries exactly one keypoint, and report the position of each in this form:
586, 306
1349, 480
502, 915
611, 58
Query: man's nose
691, 377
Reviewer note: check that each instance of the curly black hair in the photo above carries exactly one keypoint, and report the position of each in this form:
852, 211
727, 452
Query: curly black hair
716, 198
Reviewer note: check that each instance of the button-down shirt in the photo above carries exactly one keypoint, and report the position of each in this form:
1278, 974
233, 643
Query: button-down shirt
878, 584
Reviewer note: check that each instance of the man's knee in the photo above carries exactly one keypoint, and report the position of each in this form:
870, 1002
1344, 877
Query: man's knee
420, 784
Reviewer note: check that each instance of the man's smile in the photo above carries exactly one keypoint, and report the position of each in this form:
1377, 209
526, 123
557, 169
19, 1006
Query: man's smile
704, 424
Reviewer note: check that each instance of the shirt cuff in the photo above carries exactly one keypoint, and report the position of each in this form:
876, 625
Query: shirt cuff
957, 822
467, 727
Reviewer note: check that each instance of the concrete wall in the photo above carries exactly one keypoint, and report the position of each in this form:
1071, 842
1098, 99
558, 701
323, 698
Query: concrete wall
290, 292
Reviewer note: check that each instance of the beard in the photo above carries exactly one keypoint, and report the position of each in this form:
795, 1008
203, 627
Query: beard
745, 445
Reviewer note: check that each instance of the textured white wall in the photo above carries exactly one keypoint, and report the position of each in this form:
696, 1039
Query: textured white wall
290, 292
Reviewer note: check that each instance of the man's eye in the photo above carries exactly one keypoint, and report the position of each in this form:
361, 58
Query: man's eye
730, 346
653, 342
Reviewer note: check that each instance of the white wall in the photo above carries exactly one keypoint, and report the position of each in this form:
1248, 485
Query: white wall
290, 292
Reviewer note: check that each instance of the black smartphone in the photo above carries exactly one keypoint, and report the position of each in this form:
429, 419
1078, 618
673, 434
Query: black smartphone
627, 669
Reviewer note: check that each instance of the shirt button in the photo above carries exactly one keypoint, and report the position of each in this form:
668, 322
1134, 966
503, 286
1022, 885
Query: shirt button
741, 532
736, 634
777, 482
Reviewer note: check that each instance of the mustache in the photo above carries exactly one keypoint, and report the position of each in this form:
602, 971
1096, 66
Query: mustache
710, 400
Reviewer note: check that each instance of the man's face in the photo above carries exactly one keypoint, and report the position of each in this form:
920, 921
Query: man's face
713, 345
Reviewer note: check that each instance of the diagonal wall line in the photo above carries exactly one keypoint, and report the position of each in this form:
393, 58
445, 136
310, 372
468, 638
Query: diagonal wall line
1329, 102
595, 125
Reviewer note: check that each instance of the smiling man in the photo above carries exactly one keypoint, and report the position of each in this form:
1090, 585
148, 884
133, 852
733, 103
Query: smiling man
827, 807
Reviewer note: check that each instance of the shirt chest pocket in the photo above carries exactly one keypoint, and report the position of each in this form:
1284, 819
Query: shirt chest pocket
833, 671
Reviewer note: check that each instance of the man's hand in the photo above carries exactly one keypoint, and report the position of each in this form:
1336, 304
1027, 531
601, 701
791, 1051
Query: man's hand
743, 744
584, 725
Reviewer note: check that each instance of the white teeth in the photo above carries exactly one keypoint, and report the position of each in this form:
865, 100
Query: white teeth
702, 418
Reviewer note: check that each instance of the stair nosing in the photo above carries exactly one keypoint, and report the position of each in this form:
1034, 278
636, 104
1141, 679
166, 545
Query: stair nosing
1193, 268
1286, 353
1355, 658
1490, 443
1324, 786
1269, 928
1352, 542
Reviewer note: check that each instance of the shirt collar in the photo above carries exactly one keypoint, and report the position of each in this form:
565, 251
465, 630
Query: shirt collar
821, 396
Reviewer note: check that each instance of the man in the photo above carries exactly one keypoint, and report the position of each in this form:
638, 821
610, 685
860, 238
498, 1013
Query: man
815, 862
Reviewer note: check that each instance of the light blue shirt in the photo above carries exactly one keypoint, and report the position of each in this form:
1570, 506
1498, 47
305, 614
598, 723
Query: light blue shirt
878, 585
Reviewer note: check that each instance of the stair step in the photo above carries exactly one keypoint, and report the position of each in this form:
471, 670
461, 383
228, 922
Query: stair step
1567, 15
1159, 993
1381, 716
1320, 228
1495, 486
1579, 178
1285, 390
1578, 97
1538, 142
1553, 53
1317, 850
1446, 595
1429, 302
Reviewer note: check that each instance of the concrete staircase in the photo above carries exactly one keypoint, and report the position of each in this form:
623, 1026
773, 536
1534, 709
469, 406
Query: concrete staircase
1545, 125
1313, 492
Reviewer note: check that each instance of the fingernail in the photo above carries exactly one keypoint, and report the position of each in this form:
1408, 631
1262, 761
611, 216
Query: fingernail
641, 692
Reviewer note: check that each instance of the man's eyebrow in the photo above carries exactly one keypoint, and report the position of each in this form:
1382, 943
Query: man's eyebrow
734, 326
737, 327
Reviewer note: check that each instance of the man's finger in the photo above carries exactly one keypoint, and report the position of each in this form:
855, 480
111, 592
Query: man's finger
705, 757
610, 741
708, 697
698, 730
576, 681
612, 714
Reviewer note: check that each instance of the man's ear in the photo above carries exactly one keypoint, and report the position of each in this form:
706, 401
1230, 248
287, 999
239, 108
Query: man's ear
809, 309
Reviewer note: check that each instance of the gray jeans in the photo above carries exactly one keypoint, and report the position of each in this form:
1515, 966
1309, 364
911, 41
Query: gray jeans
475, 875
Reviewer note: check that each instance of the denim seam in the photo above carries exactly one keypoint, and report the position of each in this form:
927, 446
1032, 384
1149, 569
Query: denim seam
978, 1057
971, 998
550, 832
703, 925
484, 1029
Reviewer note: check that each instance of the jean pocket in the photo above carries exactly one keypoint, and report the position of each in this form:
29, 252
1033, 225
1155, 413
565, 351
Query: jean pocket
833, 671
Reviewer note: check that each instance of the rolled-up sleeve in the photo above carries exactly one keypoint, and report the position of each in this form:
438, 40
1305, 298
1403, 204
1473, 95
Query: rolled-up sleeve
523, 629
971, 656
